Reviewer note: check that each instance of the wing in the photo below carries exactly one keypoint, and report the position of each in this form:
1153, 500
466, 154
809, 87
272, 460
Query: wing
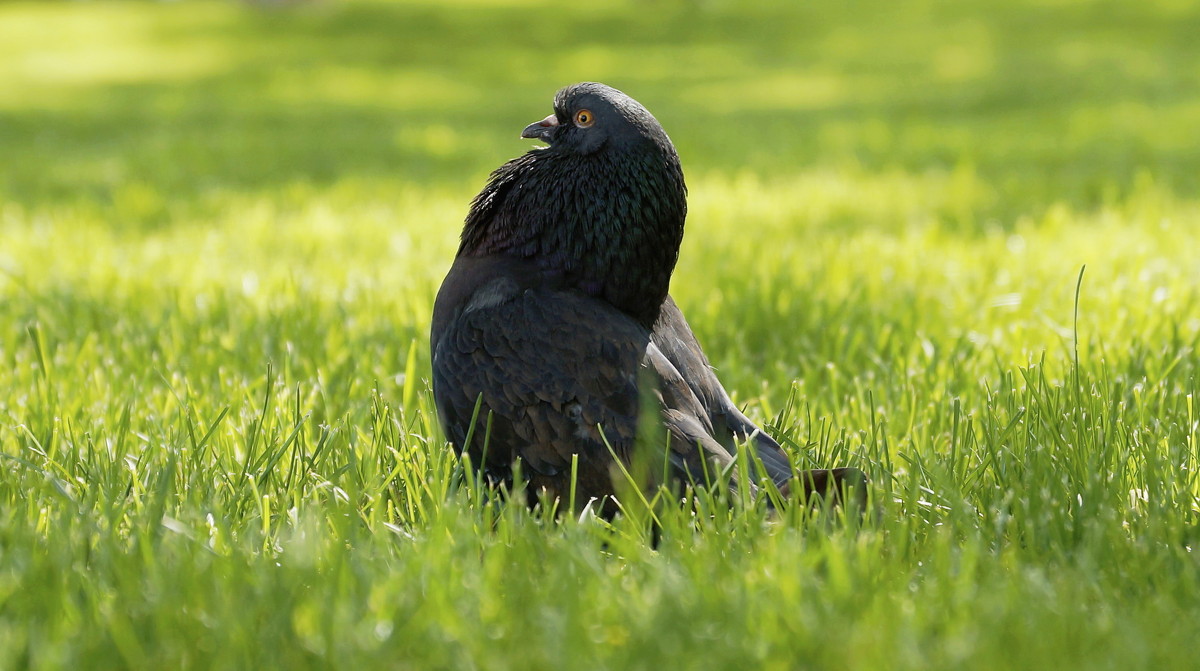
547, 369
529, 371
674, 338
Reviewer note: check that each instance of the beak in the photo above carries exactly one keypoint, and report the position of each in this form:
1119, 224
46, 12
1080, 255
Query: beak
541, 130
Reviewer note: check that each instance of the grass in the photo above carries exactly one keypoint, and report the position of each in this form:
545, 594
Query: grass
222, 227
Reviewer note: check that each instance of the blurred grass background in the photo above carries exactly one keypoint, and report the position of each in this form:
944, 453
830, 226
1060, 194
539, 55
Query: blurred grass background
222, 226
1056, 101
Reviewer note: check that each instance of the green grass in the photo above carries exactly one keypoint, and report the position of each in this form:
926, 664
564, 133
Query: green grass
222, 227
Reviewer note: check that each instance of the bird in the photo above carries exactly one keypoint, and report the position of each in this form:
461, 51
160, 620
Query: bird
554, 340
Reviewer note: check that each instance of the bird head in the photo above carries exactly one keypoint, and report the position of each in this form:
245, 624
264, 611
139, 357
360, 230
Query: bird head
601, 208
588, 117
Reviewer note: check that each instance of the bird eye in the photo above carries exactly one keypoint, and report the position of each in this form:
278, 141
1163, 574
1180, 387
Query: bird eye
584, 118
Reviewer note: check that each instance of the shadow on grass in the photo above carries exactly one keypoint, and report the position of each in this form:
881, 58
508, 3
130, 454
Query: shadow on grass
1054, 104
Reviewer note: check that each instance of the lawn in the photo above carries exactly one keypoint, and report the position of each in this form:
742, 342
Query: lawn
951, 243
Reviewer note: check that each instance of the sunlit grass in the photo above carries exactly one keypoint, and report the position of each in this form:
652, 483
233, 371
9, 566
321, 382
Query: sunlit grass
222, 227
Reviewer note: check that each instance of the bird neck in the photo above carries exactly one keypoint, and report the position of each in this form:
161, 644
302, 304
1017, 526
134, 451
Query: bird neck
610, 228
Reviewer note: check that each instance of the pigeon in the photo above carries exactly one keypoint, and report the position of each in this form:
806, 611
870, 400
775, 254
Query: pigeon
555, 343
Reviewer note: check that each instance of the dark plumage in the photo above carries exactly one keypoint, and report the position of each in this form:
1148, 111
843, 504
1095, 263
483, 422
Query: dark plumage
556, 311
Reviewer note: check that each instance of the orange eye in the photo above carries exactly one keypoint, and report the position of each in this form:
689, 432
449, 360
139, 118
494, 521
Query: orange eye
584, 118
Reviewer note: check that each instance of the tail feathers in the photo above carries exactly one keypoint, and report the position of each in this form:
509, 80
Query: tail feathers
839, 485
